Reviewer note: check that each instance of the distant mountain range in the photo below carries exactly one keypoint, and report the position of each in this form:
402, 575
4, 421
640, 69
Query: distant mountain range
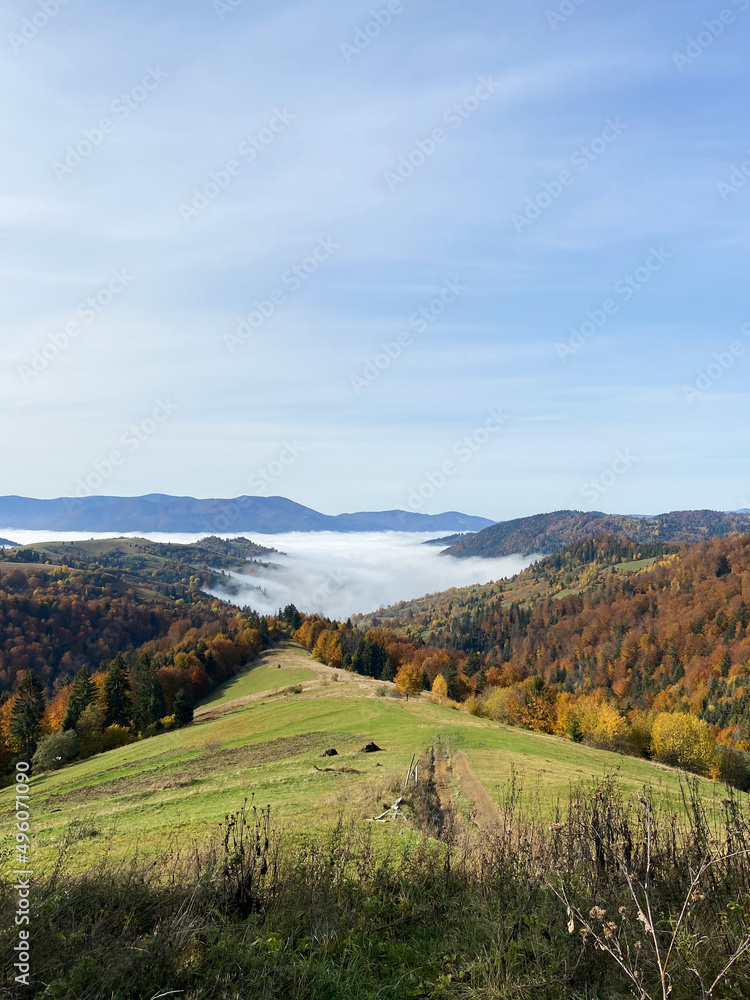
266, 515
4, 543
548, 533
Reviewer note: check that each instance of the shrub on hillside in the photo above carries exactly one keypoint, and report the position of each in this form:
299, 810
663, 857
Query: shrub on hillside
501, 705
734, 768
117, 736
90, 728
473, 705
56, 751
640, 734
683, 740
593, 720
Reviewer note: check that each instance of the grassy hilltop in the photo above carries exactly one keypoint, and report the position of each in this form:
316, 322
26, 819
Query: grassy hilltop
263, 732
147, 882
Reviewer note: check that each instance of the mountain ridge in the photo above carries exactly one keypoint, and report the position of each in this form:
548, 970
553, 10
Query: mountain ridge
264, 515
545, 534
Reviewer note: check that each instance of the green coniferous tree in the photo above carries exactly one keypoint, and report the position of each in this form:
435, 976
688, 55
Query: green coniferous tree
451, 678
183, 710
117, 705
481, 682
157, 707
574, 730
81, 696
726, 663
149, 697
389, 670
25, 727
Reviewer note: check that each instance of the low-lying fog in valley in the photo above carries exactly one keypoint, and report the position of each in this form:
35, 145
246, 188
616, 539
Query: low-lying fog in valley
335, 574
339, 575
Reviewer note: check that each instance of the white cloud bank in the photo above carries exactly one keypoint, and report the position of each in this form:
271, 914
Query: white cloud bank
337, 574
343, 574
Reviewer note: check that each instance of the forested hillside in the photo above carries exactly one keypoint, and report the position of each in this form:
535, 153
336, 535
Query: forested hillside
105, 641
453, 617
546, 533
608, 643
604, 642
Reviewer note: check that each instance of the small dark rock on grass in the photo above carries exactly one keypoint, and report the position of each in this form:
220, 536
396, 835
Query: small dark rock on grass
371, 748
330, 753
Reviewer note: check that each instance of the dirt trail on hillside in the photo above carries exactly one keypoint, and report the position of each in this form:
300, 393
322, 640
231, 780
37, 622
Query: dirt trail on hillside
484, 812
451, 770
443, 784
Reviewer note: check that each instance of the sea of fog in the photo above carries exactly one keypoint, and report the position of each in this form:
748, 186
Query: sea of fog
332, 573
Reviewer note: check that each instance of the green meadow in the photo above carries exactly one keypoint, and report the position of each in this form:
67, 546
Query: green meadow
261, 736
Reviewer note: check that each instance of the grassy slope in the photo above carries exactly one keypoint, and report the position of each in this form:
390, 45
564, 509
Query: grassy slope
189, 779
265, 677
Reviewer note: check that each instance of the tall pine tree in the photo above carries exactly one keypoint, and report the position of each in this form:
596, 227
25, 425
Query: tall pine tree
149, 697
183, 710
117, 705
25, 723
80, 697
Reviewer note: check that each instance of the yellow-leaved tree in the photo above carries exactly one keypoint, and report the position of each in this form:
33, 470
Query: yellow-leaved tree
683, 740
409, 679
597, 720
439, 689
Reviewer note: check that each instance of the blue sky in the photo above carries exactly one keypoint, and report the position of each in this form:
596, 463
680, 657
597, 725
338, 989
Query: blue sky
191, 165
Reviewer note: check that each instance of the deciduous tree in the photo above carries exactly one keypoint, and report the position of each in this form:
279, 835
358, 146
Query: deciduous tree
409, 679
